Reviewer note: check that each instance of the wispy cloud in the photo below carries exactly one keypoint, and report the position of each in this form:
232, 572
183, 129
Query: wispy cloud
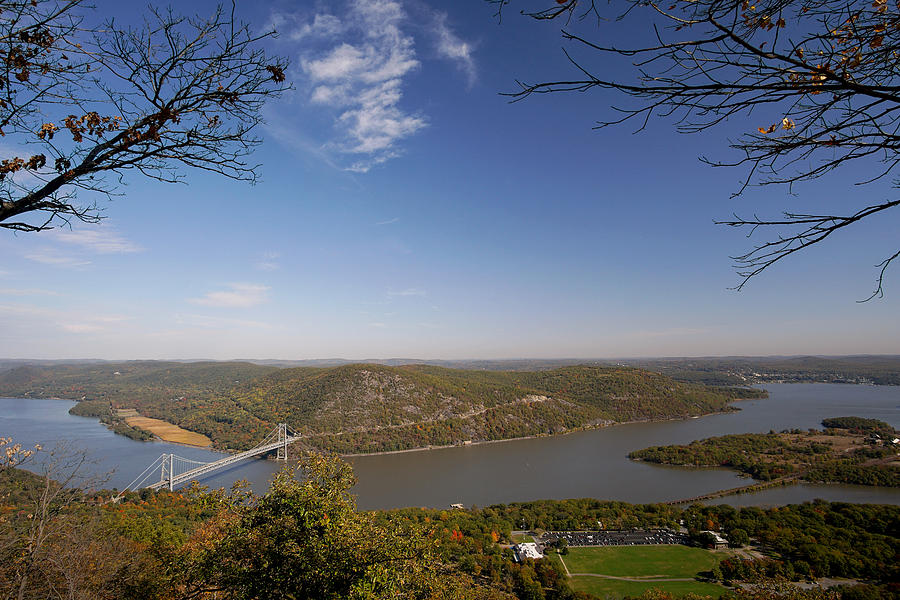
672, 332
56, 258
452, 47
378, 325
406, 293
356, 65
208, 322
239, 295
93, 324
27, 292
82, 327
296, 29
388, 222
70, 321
269, 262
356, 61
99, 240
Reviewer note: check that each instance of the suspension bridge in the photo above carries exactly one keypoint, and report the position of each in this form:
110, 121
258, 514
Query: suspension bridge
174, 470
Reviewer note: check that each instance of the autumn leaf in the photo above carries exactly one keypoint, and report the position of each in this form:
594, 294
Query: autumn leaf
276, 72
787, 124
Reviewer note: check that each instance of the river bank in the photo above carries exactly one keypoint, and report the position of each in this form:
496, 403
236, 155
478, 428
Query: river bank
470, 443
584, 464
172, 433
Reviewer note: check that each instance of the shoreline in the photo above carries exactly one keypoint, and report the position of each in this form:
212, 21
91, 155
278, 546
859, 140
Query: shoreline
542, 435
212, 447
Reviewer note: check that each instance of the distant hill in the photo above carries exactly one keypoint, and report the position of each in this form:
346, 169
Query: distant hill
368, 407
743, 370
714, 370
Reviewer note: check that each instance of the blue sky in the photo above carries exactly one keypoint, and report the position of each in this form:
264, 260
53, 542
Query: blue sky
407, 209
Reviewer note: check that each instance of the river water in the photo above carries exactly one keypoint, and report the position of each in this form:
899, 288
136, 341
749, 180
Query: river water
583, 464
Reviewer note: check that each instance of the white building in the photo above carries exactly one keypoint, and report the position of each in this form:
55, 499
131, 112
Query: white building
719, 541
527, 550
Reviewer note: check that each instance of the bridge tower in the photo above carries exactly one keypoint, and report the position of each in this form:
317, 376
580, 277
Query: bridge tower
168, 470
282, 441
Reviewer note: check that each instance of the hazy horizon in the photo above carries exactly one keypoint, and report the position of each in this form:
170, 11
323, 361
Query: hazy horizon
462, 359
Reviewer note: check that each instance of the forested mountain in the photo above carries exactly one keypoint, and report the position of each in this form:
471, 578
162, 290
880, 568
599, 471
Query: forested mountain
370, 408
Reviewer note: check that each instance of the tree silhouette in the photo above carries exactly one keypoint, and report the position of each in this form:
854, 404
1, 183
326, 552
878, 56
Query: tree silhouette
825, 71
80, 105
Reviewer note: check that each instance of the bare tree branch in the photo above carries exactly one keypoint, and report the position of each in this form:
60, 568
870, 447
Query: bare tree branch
96, 102
826, 71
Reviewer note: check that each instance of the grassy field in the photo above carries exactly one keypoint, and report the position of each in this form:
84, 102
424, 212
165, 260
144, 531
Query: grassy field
614, 589
641, 561
168, 432
650, 563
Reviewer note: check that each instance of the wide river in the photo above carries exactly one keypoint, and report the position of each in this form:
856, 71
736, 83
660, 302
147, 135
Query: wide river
583, 464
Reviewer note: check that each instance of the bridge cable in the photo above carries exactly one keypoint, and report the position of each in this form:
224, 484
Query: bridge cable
143, 475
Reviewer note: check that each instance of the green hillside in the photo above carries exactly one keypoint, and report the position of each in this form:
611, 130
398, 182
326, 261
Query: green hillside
372, 408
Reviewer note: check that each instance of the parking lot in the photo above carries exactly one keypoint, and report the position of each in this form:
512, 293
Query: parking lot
612, 537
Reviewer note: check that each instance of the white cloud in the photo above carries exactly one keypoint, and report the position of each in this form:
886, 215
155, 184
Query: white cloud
450, 46
388, 222
81, 327
71, 321
101, 241
240, 295
269, 262
208, 322
378, 325
27, 292
674, 331
294, 27
25, 309
362, 76
322, 26
407, 292
343, 62
56, 258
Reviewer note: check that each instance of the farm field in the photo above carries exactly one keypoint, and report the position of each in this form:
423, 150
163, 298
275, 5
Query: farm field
616, 571
168, 432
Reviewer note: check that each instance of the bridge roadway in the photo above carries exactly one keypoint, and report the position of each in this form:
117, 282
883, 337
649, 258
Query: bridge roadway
219, 464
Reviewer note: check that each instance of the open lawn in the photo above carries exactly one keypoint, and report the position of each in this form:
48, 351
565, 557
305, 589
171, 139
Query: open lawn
168, 432
641, 561
614, 589
650, 564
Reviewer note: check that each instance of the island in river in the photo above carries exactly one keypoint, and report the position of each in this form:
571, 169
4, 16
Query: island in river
368, 408
850, 450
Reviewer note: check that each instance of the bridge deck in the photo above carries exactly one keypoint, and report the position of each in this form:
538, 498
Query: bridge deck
219, 464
